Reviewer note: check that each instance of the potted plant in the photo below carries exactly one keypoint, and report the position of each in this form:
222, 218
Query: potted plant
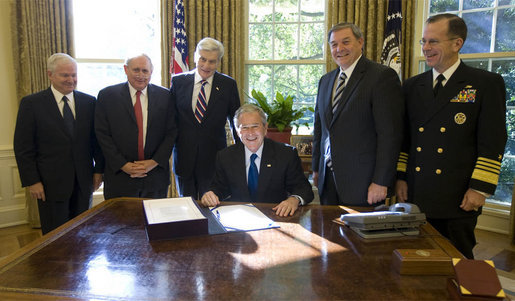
281, 114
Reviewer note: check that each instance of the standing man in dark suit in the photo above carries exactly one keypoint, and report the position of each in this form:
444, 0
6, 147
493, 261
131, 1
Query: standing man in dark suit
54, 142
205, 101
455, 135
358, 124
258, 169
135, 127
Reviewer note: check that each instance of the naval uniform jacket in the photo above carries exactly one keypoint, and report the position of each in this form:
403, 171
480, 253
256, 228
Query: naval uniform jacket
453, 142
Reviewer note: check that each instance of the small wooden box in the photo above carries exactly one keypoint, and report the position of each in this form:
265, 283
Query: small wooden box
422, 262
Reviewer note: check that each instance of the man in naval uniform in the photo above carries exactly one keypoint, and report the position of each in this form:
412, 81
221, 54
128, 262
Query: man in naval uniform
455, 135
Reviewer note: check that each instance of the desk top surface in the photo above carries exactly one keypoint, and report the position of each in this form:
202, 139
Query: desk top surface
104, 254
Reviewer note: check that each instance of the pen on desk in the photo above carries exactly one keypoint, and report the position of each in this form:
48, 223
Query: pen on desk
217, 214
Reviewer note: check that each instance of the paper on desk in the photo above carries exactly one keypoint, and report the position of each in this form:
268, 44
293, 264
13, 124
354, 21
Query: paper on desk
243, 218
171, 210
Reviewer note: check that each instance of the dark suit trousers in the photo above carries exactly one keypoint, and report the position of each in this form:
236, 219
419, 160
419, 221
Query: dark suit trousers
330, 194
197, 184
54, 213
460, 231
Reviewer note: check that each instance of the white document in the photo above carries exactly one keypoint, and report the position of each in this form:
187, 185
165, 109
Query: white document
171, 210
242, 218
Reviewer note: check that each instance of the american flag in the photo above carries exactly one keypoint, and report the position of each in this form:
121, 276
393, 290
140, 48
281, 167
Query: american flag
391, 55
180, 41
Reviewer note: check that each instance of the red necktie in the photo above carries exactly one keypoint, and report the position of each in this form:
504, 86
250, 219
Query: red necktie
139, 119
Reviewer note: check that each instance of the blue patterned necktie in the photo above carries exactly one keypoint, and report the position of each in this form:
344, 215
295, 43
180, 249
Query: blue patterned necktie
253, 176
201, 107
68, 116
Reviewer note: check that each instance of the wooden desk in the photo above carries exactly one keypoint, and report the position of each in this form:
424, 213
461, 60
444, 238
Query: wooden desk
104, 254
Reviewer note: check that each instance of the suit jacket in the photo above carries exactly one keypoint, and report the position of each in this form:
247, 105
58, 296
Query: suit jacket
198, 143
47, 153
365, 132
117, 134
280, 174
453, 142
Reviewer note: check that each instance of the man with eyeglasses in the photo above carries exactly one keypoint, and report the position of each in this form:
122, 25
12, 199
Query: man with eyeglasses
135, 127
455, 135
258, 169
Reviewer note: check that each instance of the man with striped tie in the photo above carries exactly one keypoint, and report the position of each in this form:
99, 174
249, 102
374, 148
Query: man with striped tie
205, 100
358, 124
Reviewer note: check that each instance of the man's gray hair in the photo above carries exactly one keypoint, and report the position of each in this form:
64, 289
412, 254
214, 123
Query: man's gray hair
249, 108
356, 31
209, 44
129, 59
58, 58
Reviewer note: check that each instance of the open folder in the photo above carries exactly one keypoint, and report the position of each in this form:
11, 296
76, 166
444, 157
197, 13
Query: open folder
244, 217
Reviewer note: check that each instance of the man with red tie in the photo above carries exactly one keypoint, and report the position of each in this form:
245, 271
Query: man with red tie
135, 127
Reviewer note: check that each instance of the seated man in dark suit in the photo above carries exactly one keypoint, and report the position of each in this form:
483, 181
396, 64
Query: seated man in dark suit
258, 169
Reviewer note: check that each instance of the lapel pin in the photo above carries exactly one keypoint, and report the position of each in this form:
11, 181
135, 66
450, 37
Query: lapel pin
217, 89
269, 165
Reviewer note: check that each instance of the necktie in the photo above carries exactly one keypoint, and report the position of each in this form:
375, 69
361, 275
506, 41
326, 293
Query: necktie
339, 91
200, 108
139, 120
439, 79
68, 116
253, 176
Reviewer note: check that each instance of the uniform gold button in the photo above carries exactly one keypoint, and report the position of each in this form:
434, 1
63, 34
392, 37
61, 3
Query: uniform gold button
421, 129
417, 168
442, 129
440, 150
438, 171
419, 149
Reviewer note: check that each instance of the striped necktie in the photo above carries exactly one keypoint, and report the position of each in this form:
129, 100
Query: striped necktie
339, 91
201, 107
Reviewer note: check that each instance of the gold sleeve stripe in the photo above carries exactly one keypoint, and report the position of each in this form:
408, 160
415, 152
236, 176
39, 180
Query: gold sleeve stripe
485, 176
492, 170
487, 162
402, 163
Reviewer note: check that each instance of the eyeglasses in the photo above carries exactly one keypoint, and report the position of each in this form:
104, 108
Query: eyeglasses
432, 42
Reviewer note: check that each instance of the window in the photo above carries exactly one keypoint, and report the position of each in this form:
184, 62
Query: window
490, 45
285, 51
107, 32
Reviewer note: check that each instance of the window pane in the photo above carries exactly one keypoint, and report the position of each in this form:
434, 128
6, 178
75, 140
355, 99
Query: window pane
286, 42
286, 10
285, 79
506, 68
505, 35
440, 6
506, 2
260, 78
470, 4
260, 41
93, 77
479, 32
120, 28
260, 11
311, 41
312, 10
